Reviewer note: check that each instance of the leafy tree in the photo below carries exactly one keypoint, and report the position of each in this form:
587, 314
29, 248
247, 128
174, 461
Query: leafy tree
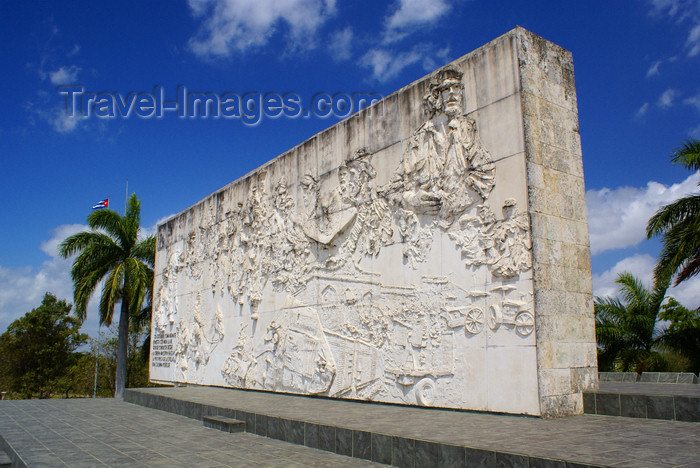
104, 349
79, 379
37, 349
683, 332
112, 252
678, 224
626, 329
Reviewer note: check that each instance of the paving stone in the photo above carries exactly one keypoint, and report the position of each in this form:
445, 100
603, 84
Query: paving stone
129, 430
476, 457
362, 445
687, 408
589, 403
381, 448
686, 378
649, 377
660, 407
261, 425
452, 456
668, 377
403, 453
584, 440
343, 441
427, 453
311, 435
633, 406
607, 404
326, 438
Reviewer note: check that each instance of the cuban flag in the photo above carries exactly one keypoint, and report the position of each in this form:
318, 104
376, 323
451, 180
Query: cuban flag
102, 204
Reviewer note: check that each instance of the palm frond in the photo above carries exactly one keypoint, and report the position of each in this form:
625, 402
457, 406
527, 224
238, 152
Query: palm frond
689, 268
146, 250
632, 290
680, 243
686, 208
140, 281
688, 155
81, 241
82, 291
113, 224
111, 294
132, 217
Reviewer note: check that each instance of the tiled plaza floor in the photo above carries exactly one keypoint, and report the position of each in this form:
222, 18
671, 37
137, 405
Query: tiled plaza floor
583, 439
108, 432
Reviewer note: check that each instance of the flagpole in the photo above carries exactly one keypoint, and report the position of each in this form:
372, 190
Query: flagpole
126, 195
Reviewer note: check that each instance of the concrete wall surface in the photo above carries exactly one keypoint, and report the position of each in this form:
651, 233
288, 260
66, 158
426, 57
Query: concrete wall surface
429, 250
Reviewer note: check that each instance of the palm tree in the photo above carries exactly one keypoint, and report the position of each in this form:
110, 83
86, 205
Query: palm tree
626, 330
112, 252
679, 225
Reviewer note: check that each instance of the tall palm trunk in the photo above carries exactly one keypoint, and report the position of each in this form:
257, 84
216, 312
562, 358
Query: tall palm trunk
122, 343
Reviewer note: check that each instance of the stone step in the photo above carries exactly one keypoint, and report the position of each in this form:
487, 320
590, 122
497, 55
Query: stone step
673, 402
409, 437
650, 377
223, 423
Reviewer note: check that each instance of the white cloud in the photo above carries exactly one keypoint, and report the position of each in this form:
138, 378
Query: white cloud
64, 75
56, 117
642, 111
654, 69
411, 14
340, 44
386, 64
642, 266
669, 7
693, 101
62, 122
229, 26
666, 98
153, 229
695, 132
682, 11
693, 42
50, 247
617, 218
74, 51
22, 289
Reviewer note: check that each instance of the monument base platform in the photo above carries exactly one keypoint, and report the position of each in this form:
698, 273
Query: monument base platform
416, 437
670, 401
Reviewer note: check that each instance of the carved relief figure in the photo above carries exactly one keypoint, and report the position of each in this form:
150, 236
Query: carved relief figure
296, 356
197, 338
240, 365
372, 227
327, 217
445, 168
512, 242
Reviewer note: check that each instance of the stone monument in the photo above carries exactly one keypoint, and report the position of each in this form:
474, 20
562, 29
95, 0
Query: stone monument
429, 250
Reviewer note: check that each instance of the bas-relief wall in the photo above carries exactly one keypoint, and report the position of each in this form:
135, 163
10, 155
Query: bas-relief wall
388, 258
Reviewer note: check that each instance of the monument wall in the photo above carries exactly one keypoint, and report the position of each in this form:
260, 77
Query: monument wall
429, 250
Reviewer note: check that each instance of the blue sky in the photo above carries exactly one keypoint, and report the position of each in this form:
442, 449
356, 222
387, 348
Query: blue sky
636, 63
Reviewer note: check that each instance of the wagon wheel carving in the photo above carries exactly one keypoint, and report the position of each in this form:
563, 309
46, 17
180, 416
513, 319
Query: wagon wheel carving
524, 323
474, 321
494, 317
425, 392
